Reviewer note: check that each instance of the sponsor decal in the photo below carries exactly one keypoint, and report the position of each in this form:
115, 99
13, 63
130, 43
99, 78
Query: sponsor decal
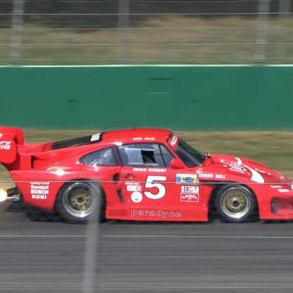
136, 197
156, 213
276, 186
149, 169
220, 176
156, 170
1, 134
238, 166
234, 166
189, 194
39, 190
5, 145
174, 140
262, 171
186, 178
96, 137
139, 169
205, 175
133, 186
255, 176
189, 189
189, 197
143, 138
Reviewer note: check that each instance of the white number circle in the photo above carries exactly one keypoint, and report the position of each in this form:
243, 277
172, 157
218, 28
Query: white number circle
136, 197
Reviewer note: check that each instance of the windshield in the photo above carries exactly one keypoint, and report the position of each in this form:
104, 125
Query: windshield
189, 156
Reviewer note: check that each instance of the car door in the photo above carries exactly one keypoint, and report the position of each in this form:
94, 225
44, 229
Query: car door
150, 184
103, 166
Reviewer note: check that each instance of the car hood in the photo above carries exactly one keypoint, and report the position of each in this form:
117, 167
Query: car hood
242, 167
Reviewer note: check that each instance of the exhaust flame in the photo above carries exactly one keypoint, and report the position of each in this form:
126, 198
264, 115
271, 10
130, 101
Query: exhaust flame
3, 195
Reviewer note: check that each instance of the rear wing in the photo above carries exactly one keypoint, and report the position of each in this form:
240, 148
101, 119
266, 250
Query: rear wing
10, 137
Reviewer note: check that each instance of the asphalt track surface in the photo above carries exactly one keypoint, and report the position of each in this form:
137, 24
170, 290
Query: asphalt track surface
138, 257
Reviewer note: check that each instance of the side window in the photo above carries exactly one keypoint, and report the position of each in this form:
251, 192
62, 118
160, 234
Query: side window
141, 154
103, 157
167, 155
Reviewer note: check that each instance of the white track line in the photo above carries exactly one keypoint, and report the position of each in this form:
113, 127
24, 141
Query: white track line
186, 287
19, 236
198, 236
40, 236
150, 287
47, 286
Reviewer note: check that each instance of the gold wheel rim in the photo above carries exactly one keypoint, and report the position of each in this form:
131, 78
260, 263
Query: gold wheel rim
235, 203
80, 199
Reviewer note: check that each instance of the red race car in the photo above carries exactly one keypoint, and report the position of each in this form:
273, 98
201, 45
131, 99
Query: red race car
146, 174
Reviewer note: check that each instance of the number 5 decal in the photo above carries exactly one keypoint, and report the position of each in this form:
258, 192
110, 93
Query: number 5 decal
161, 188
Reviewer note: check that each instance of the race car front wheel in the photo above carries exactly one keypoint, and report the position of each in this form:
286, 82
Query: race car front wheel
235, 204
77, 202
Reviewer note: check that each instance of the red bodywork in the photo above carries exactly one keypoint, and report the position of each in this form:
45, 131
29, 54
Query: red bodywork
142, 192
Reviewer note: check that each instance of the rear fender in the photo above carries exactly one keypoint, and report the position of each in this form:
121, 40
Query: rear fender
40, 188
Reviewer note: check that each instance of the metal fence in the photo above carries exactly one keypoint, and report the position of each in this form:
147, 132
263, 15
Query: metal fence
145, 31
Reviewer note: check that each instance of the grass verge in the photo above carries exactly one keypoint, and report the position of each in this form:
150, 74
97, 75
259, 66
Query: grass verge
167, 39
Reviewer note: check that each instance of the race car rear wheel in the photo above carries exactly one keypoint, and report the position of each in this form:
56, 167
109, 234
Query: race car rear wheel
77, 202
235, 204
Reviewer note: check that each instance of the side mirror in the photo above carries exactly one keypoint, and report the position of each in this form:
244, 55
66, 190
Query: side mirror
175, 164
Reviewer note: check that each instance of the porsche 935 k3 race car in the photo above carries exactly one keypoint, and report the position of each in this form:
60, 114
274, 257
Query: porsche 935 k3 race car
146, 174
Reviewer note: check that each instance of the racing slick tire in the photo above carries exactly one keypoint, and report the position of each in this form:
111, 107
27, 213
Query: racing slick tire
80, 201
235, 204
38, 215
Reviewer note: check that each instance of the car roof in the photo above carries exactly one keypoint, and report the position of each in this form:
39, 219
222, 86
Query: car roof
124, 135
130, 134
